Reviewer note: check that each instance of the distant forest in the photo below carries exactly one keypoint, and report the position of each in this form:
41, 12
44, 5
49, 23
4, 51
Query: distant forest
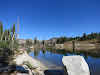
84, 37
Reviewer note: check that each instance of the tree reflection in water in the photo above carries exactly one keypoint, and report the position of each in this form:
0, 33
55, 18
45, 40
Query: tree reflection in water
94, 54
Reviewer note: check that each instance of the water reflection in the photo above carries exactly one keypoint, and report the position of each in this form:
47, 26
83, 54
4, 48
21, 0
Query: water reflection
54, 58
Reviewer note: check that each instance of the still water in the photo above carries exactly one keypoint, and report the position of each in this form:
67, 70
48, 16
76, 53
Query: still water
53, 59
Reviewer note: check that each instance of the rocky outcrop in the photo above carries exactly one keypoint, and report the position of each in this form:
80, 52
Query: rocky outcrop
59, 46
82, 46
76, 65
38, 67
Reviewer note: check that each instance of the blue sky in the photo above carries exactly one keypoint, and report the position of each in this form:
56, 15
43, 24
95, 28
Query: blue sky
50, 18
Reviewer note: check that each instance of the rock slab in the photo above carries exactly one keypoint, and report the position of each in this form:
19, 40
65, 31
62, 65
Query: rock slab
76, 65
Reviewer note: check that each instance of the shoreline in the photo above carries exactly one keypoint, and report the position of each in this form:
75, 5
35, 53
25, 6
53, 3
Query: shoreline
36, 67
24, 57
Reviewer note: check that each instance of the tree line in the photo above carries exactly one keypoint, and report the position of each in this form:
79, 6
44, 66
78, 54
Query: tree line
90, 36
84, 37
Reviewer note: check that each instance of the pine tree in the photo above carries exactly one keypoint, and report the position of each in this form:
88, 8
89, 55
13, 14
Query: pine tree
13, 32
1, 31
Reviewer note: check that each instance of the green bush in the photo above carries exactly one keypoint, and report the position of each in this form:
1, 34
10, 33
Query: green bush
9, 44
28, 64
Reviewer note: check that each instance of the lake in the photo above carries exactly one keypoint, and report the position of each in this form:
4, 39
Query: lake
53, 59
